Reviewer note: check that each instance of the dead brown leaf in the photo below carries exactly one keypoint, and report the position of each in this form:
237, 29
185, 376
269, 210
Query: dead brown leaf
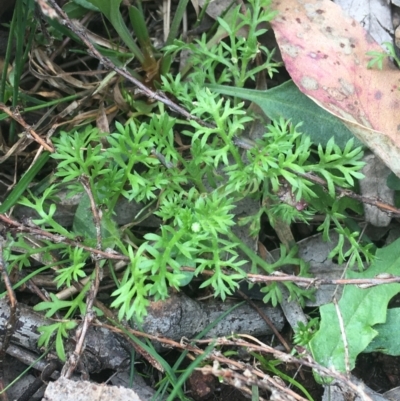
325, 53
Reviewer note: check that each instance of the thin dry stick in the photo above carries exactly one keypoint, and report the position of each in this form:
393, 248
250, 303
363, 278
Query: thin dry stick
269, 323
248, 378
262, 348
94, 288
344, 337
110, 316
59, 238
249, 144
340, 318
307, 361
250, 375
80, 31
350, 194
253, 278
316, 282
17, 117
266, 320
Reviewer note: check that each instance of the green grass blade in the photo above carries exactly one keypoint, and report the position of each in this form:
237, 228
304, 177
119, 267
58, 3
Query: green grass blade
139, 26
154, 354
173, 32
200, 335
23, 183
110, 8
189, 370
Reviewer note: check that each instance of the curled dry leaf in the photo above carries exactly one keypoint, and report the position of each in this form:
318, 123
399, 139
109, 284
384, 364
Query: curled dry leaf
325, 53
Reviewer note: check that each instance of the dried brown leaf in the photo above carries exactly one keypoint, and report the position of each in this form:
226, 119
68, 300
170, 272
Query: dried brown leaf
325, 53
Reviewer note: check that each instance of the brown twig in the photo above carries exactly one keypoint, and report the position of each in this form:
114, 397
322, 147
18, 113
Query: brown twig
316, 282
306, 361
254, 278
59, 238
257, 377
261, 348
246, 144
266, 320
269, 323
342, 192
110, 316
80, 31
15, 115
310, 281
94, 287
343, 335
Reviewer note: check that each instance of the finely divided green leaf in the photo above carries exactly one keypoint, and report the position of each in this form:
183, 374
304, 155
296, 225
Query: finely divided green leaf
286, 100
360, 309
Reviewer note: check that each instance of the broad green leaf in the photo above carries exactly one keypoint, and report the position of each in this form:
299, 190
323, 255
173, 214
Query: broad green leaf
84, 225
360, 310
388, 340
287, 101
75, 11
393, 182
86, 4
187, 276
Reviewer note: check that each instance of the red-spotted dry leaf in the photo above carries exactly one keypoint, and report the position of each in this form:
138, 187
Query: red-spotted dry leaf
325, 53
